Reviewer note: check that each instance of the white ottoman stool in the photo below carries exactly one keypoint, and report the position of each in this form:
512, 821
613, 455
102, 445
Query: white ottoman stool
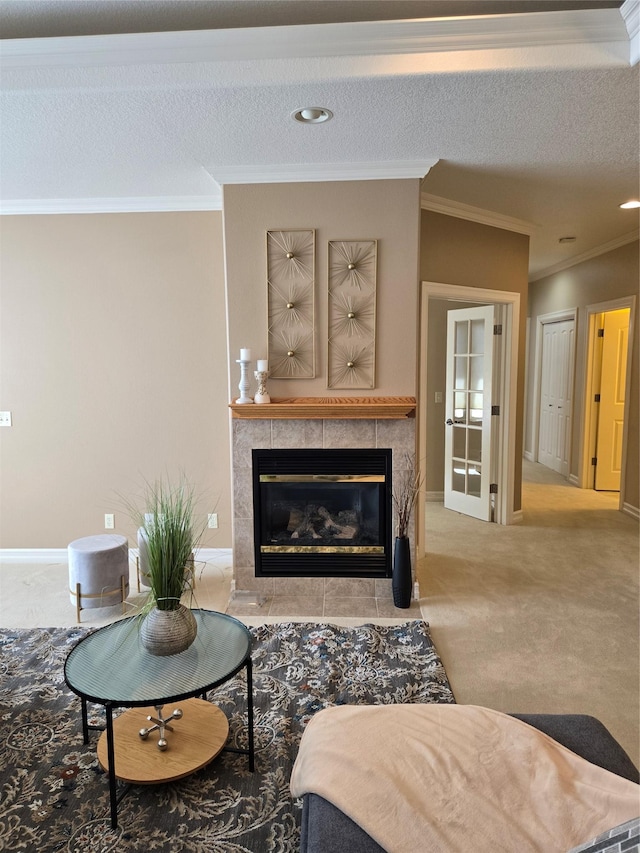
98, 571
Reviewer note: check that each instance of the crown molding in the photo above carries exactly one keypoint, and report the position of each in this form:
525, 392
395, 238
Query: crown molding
294, 173
588, 255
166, 204
313, 172
630, 11
475, 214
366, 38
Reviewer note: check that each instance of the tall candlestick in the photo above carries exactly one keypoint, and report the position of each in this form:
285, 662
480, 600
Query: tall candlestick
244, 379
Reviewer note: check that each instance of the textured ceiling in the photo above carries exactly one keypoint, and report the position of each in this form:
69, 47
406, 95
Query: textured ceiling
544, 135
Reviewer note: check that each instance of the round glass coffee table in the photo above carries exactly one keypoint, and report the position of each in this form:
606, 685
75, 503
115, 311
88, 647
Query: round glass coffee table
111, 667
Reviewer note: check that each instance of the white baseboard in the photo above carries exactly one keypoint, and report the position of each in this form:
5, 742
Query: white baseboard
633, 511
434, 497
206, 554
517, 517
34, 555
59, 555
528, 455
574, 481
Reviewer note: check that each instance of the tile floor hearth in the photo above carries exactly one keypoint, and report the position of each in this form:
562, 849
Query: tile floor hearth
315, 607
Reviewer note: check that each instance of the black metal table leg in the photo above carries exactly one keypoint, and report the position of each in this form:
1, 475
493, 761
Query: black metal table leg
85, 721
113, 799
250, 712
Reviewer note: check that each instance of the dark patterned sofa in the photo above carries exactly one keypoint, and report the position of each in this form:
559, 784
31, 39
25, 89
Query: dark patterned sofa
325, 829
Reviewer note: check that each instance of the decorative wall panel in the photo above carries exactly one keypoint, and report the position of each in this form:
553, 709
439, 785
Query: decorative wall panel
352, 313
290, 303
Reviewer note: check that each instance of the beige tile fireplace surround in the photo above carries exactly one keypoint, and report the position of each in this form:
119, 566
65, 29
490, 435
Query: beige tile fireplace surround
308, 423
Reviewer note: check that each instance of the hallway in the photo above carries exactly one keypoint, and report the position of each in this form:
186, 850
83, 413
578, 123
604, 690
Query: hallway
541, 616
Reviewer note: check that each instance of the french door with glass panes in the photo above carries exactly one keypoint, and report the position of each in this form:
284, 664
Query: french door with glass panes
468, 411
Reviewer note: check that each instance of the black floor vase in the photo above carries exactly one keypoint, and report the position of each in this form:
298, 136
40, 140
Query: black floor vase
401, 580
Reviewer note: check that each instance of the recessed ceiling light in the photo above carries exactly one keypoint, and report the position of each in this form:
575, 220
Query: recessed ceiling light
567, 240
629, 205
312, 115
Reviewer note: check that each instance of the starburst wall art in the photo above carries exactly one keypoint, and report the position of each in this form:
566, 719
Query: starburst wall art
352, 313
290, 303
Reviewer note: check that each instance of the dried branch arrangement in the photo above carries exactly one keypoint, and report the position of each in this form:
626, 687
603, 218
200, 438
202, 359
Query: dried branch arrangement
406, 488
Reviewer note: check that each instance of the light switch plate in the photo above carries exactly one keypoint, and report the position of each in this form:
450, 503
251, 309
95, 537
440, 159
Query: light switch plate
5, 418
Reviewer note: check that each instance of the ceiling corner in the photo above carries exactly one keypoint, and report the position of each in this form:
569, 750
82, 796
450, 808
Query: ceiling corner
630, 11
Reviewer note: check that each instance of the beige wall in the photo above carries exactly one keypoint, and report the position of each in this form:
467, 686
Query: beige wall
609, 276
456, 251
387, 211
113, 341
113, 364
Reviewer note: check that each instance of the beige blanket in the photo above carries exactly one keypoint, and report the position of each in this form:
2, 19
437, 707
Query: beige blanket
439, 778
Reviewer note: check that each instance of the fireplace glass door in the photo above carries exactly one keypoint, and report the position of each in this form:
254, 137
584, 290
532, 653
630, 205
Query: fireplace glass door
324, 513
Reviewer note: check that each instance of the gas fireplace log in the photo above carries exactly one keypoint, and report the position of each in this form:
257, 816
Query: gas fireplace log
306, 529
318, 523
337, 530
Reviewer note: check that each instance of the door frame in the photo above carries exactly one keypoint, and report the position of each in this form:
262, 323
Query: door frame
507, 392
542, 320
587, 431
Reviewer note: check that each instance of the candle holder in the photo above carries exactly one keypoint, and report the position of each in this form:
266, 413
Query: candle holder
261, 394
244, 381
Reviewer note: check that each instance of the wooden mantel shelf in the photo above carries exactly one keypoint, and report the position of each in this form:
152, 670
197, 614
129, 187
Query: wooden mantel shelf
327, 408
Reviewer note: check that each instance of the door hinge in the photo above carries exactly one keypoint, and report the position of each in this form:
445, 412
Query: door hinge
493, 488
596, 398
594, 460
497, 330
601, 333
495, 410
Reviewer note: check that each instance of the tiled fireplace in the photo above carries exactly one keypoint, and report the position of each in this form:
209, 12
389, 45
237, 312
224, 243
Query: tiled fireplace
310, 423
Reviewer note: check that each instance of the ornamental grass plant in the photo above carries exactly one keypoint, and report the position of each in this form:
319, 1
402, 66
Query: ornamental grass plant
171, 530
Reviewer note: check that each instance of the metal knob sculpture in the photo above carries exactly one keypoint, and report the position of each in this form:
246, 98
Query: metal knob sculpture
161, 724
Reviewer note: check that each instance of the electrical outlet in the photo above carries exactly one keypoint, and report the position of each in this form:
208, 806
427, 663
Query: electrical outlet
213, 520
5, 418
109, 521
438, 397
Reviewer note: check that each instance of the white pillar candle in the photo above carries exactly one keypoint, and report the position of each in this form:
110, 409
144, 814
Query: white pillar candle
263, 365
245, 354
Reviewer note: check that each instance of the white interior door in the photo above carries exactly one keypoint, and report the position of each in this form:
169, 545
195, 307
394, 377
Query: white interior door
612, 398
468, 402
556, 395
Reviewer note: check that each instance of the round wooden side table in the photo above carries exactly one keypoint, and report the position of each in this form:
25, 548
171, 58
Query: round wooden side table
195, 740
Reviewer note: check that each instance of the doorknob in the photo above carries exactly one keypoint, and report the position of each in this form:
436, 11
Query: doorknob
449, 422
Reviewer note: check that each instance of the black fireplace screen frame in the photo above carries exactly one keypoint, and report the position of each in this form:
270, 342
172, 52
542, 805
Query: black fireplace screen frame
324, 465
